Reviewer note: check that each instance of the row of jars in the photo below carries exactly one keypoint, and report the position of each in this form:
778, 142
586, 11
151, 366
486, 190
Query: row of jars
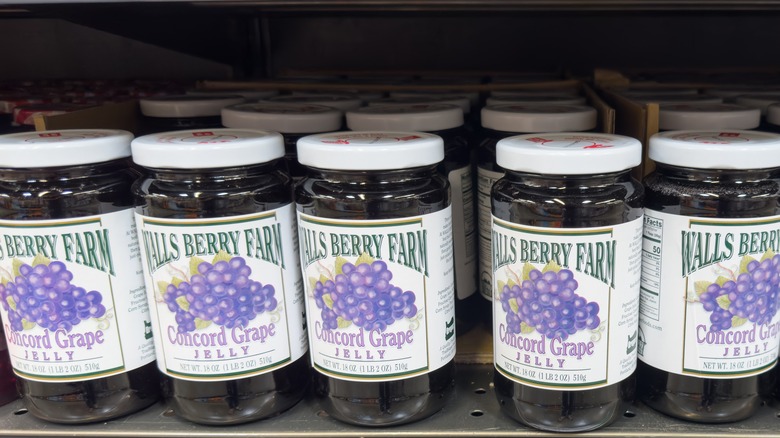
208, 265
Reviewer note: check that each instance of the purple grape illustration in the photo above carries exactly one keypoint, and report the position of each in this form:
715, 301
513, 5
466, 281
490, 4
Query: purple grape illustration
221, 293
750, 295
42, 294
547, 302
363, 295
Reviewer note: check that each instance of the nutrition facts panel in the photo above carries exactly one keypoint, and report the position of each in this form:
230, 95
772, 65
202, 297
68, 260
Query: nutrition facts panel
651, 268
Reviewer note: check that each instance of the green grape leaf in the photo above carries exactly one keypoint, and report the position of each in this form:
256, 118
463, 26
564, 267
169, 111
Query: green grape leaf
511, 283
551, 266
327, 300
5, 281
736, 321
222, 255
513, 305
11, 303
769, 254
201, 323
364, 258
721, 280
183, 303
176, 281
194, 263
27, 325
527, 268
339, 264
40, 259
500, 286
700, 287
525, 328
743, 264
343, 323
17, 264
312, 283
323, 279
162, 286
724, 302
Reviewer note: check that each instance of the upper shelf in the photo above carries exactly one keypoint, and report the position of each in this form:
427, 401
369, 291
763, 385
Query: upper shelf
439, 5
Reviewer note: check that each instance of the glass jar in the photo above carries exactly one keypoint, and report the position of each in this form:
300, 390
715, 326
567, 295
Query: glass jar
502, 121
567, 228
79, 341
706, 116
171, 113
292, 120
446, 121
217, 224
708, 323
773, 117
376, 247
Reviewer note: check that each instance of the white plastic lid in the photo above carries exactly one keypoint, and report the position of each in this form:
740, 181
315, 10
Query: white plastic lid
471, 96
773, 114
568, 153
716, 149
342, 102
246, 94
425, 117
287, 118
760, 101
187, 106
538, 100
729, 93
675, 99
67, 147
539, 118
461, 102
564, 92
207, 149
708, 116
660, 91
362, 150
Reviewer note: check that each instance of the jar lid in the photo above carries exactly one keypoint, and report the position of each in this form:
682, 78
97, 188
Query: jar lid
471, 96
675, 99
539, 118
716, 149
561, 92
538, 100
773, 114
363, 150
425, 117
659, 91
760, 101
246, 94
461, 102
568, 153
207, 149
67, 147
187, 106
342, 102
708, 116
287, 118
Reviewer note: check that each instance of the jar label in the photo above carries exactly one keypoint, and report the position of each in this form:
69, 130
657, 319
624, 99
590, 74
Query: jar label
74, 305
485, 180
709, 295
565, 308
226, 294
379, 299
464, 232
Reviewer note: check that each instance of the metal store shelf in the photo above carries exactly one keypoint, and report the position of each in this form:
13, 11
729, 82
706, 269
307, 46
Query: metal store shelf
473, 411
